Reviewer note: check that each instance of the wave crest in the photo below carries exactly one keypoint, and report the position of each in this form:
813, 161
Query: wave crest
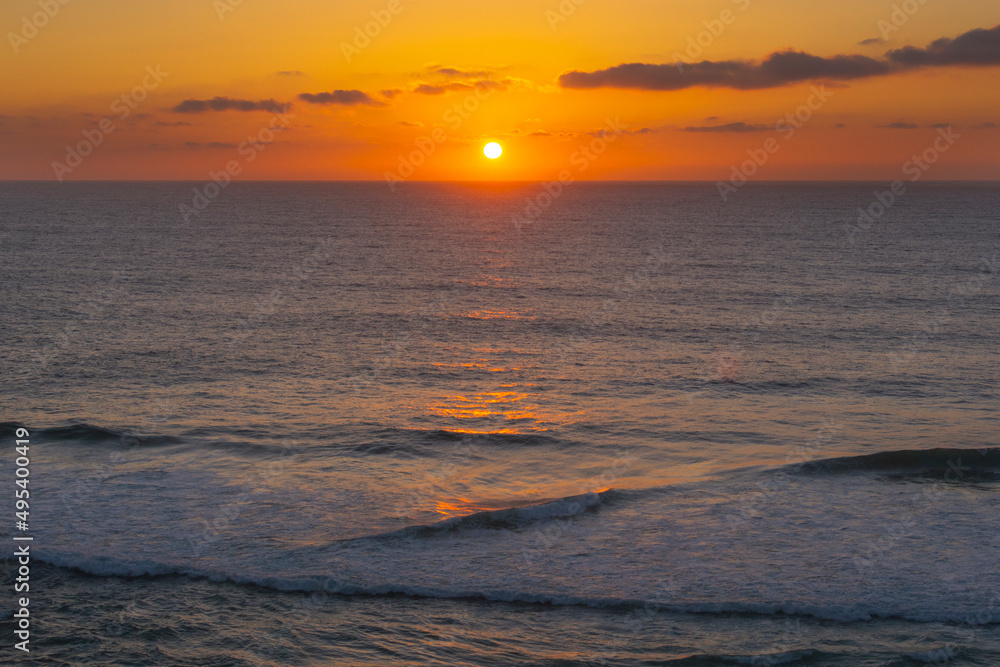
914, 460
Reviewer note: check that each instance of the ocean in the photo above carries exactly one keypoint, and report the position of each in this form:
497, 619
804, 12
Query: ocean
485, 424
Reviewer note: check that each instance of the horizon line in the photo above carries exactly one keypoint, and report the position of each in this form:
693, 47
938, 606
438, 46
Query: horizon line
497, 181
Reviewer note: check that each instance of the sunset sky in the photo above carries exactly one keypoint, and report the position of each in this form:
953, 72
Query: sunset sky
288, 90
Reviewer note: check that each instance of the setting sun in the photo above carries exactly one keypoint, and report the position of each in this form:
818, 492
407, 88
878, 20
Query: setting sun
492, 150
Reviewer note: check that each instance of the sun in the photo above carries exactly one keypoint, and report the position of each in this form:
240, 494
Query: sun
492, 150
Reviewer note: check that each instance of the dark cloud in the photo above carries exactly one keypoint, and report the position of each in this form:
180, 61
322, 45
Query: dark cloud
411, 123
986, 126
390, 92
976, 47
229, 104
728, 127
840, 125
179, 123
900, 125
777, 69
348, 98
940, 126
871, 41
290, 72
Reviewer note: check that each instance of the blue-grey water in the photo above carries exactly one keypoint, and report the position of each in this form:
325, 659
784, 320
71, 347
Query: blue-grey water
326, 423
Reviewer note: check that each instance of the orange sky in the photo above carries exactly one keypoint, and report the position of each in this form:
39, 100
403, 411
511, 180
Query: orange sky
287, 90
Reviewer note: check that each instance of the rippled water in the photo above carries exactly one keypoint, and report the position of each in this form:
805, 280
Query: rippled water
330, 424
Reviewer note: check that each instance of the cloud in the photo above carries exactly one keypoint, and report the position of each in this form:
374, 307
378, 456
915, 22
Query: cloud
777, 69
428, 89
345, 97
458, 72
940, 126
561, 134
390, 92
871, 41
986, 126
441, 89
603, 132
410, 123
975, 48
728, 127
290, 72
211, 144
179, 123
900, 125
229, 104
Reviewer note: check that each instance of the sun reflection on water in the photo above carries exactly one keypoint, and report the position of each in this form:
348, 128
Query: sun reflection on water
493, 412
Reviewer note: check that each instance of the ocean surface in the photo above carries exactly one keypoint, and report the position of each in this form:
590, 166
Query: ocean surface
331, 424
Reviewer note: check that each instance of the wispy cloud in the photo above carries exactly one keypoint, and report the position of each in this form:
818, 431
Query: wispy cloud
466, 86
211, 144
728, 127
459, 72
